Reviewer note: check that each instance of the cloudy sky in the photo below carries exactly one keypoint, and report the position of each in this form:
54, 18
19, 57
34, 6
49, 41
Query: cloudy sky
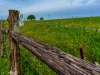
51, 9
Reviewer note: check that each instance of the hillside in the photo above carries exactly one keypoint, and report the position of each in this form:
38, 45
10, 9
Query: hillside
68, 35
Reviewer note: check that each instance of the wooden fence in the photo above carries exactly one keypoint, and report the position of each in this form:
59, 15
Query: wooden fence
59, 61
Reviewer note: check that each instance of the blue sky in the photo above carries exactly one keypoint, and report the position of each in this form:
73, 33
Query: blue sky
51, 9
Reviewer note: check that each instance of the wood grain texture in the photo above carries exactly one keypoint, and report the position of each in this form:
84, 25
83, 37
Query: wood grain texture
1, 38
59, 61
14, 46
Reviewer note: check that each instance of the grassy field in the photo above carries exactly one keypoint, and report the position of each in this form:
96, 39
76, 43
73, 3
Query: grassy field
66, 34
68, 39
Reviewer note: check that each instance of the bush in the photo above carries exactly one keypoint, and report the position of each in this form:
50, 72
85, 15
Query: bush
41, 18
31, 17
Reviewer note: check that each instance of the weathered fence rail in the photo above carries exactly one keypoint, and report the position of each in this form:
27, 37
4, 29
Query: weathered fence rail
59, 61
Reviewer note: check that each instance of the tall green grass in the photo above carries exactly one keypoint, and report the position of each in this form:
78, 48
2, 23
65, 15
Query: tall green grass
57, 34
66, 39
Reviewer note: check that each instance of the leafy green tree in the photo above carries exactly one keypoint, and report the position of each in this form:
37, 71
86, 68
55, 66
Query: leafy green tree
31, 17
41, 18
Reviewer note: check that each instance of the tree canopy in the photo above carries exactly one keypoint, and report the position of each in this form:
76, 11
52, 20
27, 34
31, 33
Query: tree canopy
41, 18
31, 17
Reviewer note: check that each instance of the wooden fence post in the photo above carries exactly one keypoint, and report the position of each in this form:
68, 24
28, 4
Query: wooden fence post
1, 38
14, 46
82, 53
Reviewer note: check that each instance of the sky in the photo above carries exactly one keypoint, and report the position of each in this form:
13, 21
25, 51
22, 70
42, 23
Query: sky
51, 9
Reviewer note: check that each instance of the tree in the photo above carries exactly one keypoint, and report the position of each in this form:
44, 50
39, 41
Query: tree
41, 18
31, 17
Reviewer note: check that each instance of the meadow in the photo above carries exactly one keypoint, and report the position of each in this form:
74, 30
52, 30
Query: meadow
68, 35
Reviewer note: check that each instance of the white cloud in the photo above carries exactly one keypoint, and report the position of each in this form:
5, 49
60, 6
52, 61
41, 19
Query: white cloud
91, 2
44, 5
48, 5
